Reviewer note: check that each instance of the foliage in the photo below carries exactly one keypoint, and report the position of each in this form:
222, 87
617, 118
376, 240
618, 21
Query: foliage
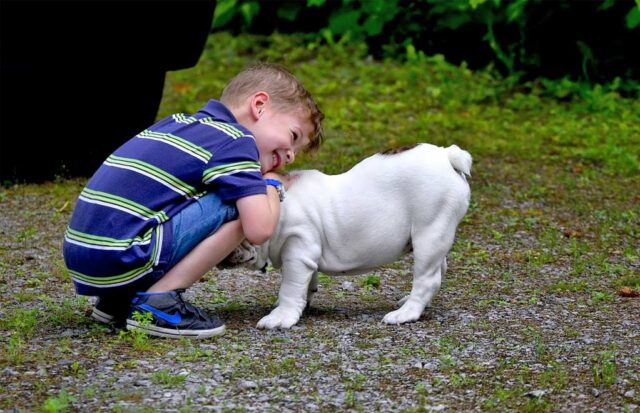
605, 369
374, 105
522, 39
138, 338
60, 403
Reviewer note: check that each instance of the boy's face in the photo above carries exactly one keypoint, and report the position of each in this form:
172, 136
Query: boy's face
280, 136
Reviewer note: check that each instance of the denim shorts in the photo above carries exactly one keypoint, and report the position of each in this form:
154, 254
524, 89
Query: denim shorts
196, 222
190, 226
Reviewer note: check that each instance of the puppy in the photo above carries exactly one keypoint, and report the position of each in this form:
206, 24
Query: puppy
385, 206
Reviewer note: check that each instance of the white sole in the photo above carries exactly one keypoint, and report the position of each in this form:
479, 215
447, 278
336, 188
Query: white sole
101, 316
174, 333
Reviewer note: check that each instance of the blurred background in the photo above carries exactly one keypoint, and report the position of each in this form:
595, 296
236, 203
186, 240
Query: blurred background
79, 78
589, 40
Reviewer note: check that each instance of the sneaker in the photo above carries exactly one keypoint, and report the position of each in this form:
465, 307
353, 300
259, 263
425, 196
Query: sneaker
111, 310
172, 316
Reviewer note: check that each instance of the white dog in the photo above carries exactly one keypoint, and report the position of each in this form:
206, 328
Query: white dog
385, 206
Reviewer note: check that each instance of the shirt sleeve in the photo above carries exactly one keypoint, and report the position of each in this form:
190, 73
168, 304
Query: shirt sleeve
233, 172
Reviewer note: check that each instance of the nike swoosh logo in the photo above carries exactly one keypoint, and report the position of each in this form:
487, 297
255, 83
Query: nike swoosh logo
169, 318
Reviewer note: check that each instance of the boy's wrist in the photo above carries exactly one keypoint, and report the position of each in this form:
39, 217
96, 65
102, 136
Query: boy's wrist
277, 185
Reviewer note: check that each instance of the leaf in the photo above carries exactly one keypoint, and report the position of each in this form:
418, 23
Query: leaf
628, 292
607, 4
571, 233
515, 10
249, 11
342, 22
373, 25
225, 10
633, 17
475, 3
289, 11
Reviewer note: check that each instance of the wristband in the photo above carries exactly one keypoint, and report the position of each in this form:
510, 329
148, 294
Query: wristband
278, 185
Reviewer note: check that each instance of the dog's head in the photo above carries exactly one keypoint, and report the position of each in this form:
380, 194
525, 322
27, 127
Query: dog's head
247, 255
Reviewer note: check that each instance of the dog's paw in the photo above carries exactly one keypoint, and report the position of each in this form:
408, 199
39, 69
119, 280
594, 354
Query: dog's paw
401, 316
279, 318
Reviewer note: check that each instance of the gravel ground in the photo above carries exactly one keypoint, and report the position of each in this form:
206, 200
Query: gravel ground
530, 318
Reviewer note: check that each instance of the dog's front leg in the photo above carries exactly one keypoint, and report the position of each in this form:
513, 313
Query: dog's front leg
297, 273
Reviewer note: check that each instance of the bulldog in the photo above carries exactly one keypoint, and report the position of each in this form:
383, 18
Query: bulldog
385, 206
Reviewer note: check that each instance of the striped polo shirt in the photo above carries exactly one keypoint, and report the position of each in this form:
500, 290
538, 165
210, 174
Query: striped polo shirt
118, 232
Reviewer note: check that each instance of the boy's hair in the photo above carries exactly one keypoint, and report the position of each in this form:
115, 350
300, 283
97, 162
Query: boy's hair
285, 90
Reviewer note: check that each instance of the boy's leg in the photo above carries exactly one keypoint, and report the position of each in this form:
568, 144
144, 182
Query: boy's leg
204, 234
201, 259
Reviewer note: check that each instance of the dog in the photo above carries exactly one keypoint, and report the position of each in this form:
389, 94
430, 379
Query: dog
393, 202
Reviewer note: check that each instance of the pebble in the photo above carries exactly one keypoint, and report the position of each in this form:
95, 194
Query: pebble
9, 372
68, 333
248, 384
536, 393
348, 286
587, 340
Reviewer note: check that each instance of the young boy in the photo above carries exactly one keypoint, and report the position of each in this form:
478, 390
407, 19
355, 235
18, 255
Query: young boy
176, 199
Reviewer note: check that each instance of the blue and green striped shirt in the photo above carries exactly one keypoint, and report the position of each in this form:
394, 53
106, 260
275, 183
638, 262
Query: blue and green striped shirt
118, 232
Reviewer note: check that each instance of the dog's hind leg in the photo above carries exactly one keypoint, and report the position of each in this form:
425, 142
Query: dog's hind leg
430, 247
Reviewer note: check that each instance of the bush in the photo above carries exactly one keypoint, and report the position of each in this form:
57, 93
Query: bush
583, 41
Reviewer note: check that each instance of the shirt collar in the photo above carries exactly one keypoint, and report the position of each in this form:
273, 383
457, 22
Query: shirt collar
219, 111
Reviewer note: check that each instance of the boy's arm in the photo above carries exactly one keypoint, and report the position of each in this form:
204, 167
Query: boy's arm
259, 215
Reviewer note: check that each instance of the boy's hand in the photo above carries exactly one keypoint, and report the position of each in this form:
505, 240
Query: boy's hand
286, 179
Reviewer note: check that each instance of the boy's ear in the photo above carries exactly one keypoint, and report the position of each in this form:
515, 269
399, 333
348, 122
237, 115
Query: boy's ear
259, 102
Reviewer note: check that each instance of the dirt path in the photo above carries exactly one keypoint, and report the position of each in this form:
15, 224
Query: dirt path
529, 317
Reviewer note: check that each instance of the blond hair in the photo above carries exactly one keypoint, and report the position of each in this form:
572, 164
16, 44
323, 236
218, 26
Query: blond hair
285, 90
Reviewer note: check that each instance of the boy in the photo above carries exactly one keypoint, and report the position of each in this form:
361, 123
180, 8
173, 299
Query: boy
173, 201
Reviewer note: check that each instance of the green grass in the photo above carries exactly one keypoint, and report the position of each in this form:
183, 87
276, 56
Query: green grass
374, 105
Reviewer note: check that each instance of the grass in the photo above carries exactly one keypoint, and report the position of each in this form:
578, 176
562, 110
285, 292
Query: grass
371, 105
530, 301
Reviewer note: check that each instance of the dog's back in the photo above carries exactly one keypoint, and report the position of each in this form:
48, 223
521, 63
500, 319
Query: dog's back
433, 171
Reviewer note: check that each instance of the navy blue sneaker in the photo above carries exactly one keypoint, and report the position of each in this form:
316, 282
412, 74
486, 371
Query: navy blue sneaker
112, 310
171, 316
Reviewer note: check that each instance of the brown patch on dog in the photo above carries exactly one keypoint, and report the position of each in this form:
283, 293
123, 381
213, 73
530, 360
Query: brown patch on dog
394, 151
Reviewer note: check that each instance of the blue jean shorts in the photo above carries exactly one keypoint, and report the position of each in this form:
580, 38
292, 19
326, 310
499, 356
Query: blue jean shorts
196, 222
190, 226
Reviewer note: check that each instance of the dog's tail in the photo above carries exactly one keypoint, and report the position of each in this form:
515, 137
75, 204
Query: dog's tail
460, 160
